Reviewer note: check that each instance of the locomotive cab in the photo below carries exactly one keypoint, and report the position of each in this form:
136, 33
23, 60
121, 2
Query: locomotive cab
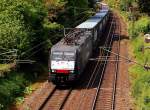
62, 66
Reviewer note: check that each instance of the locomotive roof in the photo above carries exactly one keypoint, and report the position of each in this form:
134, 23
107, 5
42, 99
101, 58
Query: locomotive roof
62, 46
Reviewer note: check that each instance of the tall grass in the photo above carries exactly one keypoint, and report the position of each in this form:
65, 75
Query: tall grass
140, 26
140, 76
140, 87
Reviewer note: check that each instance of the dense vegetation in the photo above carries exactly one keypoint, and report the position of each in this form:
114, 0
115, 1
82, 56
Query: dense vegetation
21, 24
32, 27
136, 14
144, 6
11, 87
140, 75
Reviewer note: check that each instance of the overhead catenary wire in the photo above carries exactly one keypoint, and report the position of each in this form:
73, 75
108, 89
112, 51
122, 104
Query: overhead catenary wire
33, 47
8, 52
121, 56
95, 69
103, 69
29, 50
34, 53
18, 56
25, 61
36, 46
9, 56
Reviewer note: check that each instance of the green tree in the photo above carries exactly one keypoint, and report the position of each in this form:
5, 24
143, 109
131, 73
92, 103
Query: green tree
91, 3
125, 4
21, 24
144, 5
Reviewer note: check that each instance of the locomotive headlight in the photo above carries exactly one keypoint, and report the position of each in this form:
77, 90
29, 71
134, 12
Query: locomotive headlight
71, 71
53, 70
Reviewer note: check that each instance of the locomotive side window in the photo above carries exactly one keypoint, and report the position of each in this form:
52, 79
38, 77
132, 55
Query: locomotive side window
69, 56
57, 55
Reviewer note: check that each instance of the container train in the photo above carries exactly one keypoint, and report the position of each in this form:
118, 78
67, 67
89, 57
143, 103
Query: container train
68, 58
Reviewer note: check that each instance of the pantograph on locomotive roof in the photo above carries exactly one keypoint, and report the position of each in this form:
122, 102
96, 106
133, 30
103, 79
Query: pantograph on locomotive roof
73, 35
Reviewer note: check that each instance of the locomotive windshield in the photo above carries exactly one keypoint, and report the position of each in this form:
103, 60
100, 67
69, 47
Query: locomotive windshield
57, 55
69, 56
63, 56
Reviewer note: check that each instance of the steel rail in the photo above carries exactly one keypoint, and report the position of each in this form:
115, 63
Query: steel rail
68, 94
65, 99
105, 59
103, 70
50, 95
116, 73
97, 67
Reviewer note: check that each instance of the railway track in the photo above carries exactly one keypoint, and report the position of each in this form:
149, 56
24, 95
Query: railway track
87, 95
96, 77
98, 88
106, 91
89, 98
56, 99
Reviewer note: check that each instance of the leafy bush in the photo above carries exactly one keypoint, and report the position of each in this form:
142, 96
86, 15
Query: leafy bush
21, 24
140, 76
10, 87
19, 100
144, 6
53, 30
140, 26
141, 87
138, 46
28, 90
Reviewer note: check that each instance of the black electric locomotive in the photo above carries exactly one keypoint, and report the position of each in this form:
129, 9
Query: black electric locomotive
69, 56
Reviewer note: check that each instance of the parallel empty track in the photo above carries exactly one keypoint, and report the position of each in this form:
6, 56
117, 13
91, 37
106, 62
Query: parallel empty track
106, 91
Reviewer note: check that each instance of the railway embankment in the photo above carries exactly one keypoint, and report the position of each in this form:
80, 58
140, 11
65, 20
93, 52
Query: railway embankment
139, 52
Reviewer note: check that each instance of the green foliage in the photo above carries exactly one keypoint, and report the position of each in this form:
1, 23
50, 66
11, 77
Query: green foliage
10, 87
78, 3
144, 6
19, 100
126, 4
138, 46
75, 11
140, 26
140, 76
4, 68
91, 3
64, 13
141, 87
28, 90
21, 24
111, 3
54, 31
